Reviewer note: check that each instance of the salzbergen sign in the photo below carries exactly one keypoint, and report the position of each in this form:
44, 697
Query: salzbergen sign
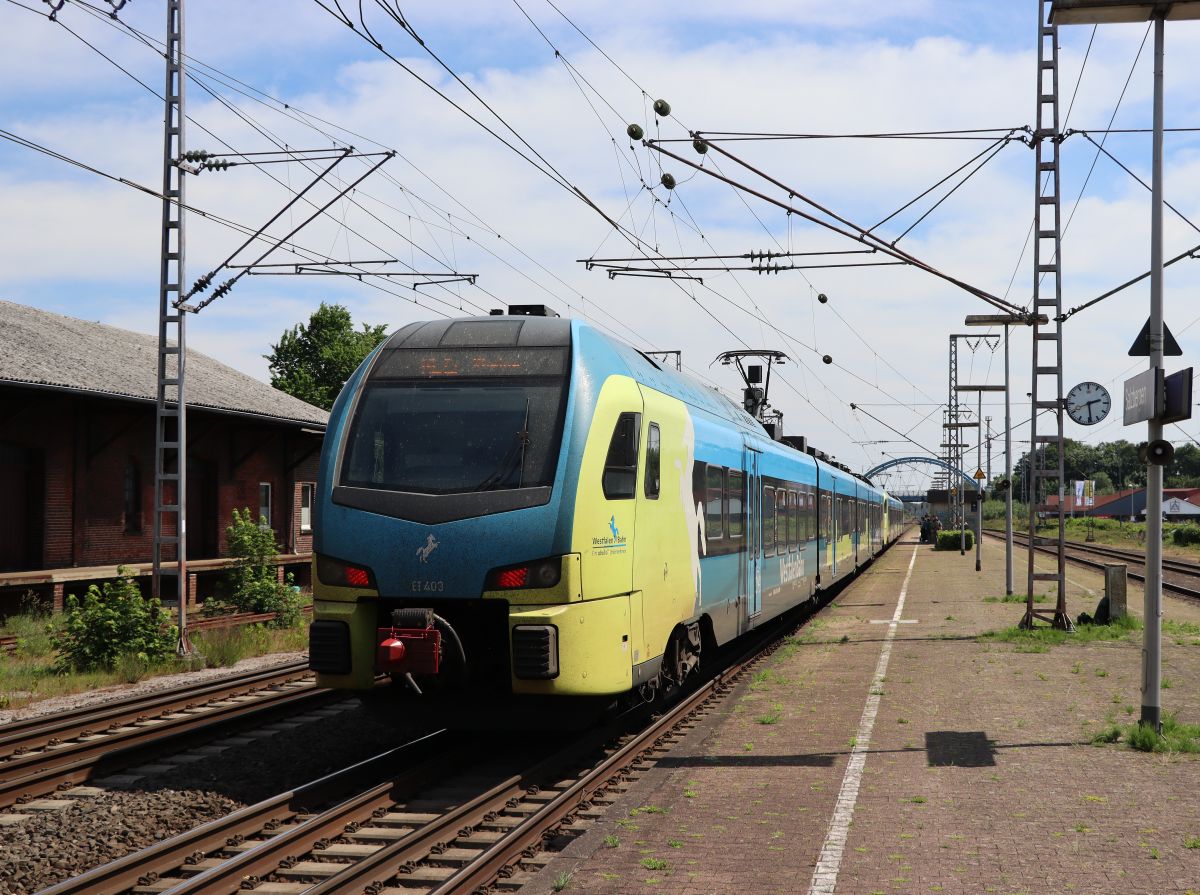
1143, 396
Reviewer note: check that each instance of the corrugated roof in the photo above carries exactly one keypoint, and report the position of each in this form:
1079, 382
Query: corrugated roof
43, 348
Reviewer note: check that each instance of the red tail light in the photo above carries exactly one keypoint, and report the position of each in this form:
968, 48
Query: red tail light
540, 574
518, 577
343, 574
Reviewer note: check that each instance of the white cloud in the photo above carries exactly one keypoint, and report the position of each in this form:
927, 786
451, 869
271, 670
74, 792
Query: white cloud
78, 232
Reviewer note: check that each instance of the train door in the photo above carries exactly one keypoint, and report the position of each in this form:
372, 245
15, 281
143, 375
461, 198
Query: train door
825, 535
752, 569
835, 532
664, 579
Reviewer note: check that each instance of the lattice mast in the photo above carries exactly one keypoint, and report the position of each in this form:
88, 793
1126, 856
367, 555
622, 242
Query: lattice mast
170, 426
1046, 448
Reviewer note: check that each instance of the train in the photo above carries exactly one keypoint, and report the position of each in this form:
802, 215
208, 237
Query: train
521, 508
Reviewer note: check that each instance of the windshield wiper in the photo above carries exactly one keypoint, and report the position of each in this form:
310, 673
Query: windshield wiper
514, 458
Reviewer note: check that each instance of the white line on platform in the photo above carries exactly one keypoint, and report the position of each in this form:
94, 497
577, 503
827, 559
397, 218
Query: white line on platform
892, 621
824, 880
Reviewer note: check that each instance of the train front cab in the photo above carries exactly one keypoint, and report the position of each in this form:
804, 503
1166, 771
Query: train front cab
620, 524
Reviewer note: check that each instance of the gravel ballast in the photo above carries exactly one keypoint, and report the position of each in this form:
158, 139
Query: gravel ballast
52, 846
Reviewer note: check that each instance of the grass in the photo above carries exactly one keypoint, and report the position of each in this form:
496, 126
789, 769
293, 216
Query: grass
611, 841
1192, 842
562, 881
655, 864
771, 717
1016, 598
1041, 638
1176, 737
28, 675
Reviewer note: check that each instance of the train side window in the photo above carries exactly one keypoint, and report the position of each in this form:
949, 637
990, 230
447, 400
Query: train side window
793, 520
734, 490
768, 521
620, 466
653, 455
714, 504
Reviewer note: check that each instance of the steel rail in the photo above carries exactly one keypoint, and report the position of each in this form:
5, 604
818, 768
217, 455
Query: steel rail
1179, 589
1183, 566
425, 756
41, 773
24, 732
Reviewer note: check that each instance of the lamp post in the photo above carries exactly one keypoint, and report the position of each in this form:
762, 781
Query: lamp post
1100, 12
1005, 320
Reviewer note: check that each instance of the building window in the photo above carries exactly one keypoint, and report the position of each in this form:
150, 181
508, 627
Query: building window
306, 492
133, 497
653, 454
264, 504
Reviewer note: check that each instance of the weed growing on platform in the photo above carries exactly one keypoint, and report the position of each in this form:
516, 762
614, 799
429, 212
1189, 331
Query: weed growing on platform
1044, 636
771, 717
675, 843
562, 881
612, 841
1192, 842
1016, 598
654, 864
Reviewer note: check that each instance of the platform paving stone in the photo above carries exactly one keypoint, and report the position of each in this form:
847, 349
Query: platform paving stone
979, 774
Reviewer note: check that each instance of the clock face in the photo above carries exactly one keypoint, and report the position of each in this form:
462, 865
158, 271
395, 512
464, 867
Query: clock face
1088, 403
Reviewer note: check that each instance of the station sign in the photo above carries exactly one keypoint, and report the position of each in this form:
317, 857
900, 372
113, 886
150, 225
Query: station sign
1143, 396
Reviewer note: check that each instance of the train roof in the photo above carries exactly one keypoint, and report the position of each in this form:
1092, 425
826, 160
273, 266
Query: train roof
539, 327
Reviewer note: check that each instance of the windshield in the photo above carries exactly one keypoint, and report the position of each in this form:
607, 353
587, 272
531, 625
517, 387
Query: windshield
458, 421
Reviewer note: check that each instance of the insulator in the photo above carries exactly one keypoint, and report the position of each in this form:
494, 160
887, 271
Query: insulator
203, 283
822, 298
662, 108
635, 131
668, 180
196, 155
827, 359
223, 289
220, 164
701, 146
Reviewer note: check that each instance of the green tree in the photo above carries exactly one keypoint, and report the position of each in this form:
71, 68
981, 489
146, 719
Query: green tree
312, 362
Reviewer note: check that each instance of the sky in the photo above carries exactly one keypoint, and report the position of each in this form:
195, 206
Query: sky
503, 115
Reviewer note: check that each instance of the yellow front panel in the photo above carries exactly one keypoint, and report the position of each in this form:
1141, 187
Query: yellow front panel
593, 647
360, 617
603, 533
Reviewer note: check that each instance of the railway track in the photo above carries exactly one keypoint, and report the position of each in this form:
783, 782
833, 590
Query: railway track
41, 754
461, 814
1174, 567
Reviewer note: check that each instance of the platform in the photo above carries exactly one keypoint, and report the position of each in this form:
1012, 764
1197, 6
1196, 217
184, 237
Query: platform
889, 749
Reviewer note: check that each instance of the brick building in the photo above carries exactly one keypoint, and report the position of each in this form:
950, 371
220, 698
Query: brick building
77, 456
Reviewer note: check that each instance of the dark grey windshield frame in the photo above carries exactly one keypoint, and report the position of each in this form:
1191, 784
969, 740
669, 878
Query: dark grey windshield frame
394, 367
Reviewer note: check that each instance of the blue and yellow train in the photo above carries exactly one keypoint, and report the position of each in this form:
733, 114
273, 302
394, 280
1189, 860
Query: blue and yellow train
521, 506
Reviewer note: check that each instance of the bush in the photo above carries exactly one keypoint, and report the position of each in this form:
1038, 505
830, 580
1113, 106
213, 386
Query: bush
251, 585
113, 620
950, 540
1186, 535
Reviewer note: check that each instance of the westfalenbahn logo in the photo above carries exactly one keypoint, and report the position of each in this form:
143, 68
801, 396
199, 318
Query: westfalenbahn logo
612, 543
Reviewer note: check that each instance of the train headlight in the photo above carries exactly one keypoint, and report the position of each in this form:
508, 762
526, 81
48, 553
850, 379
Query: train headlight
541, 573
